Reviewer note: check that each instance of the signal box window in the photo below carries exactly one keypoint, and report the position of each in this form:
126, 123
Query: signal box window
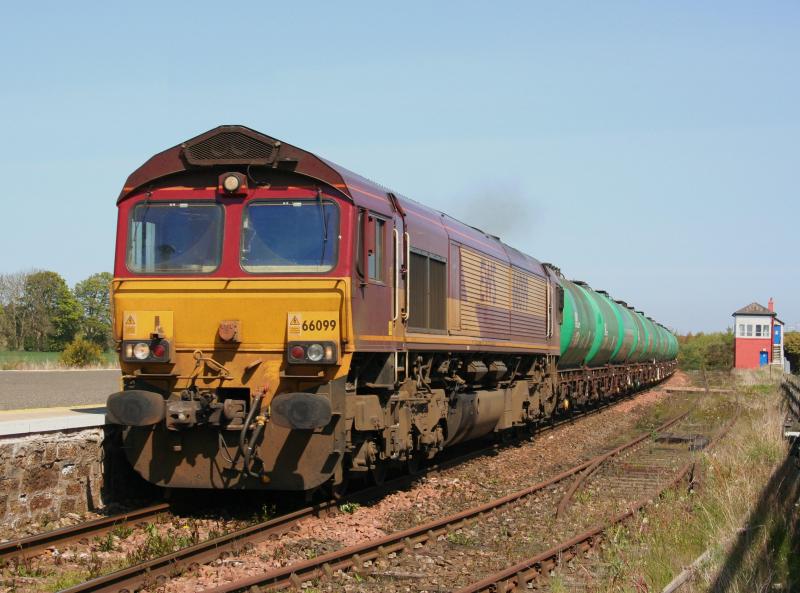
290, 236
428, 276
375, 256
174, 238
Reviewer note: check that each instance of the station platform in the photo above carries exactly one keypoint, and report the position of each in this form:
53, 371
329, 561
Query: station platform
38, 420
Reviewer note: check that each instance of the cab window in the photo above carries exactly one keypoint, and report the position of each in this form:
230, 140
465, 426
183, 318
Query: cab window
375, 255
174, 238
292, 236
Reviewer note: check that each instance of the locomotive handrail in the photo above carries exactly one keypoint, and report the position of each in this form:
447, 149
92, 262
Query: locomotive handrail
407, 312
548, 310
396, 287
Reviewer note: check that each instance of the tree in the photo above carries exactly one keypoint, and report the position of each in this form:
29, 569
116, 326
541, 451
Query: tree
3, 339
706, 351
54, 314
791, 349
16, 320
94, 299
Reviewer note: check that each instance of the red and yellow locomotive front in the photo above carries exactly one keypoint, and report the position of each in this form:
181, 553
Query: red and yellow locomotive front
232, 313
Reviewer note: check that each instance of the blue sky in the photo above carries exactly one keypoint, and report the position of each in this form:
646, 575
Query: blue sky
648, 149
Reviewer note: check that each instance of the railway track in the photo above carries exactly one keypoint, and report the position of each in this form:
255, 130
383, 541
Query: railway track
364, 557
36, 544
158, 570
518, 576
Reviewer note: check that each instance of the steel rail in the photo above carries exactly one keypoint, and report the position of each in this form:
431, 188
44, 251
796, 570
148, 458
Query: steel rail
587, 473
354, 556
36, 544
520, 574
158, 570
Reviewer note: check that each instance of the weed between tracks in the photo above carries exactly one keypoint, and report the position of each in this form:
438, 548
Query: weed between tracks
121, 547
744, 512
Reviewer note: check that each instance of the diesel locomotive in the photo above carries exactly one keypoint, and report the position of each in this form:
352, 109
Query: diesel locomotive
284, 323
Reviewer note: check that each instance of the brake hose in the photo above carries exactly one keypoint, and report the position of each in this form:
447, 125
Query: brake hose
245, 448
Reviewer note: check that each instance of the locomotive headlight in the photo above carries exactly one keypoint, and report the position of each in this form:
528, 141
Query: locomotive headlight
141, 351
315, 352
231, 183
311, 352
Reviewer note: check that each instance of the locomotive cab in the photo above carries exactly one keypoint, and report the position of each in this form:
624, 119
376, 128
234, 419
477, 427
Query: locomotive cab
231, 313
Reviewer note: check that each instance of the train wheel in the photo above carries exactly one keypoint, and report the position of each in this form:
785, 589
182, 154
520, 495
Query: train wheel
339, 489
414, 465
339, 483
378, 473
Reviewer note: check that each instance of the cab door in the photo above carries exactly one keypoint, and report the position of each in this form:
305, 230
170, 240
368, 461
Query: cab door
373, 294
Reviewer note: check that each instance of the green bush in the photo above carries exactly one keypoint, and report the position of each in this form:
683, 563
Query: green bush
791, 349
706, 351
81, 353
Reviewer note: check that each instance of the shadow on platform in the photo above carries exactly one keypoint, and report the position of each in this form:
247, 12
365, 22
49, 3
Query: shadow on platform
95, 410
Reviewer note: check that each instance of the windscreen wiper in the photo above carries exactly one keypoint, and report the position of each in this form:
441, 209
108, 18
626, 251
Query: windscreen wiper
324, 227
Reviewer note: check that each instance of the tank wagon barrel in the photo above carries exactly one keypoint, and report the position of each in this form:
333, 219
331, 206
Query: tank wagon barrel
283, 323
597, 330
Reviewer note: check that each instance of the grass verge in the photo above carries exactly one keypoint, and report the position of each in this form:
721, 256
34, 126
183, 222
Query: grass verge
744, 511
13, 360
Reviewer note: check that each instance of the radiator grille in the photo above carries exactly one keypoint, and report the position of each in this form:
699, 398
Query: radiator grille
419, 291
438, 295
500, 301
428, 293
229, 148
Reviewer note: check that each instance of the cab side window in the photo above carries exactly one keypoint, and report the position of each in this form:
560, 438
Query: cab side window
376, 248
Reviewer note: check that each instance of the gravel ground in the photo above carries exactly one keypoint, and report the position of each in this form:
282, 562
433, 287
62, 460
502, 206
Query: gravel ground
457, 558
453, 490
62, 566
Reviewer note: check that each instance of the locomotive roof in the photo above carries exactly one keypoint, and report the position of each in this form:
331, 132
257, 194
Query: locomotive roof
238, 146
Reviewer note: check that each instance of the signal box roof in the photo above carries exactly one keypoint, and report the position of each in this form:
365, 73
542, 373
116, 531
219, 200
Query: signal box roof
754, 309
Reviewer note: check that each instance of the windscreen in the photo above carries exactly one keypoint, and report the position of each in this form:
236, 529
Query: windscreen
290, 236
174, 238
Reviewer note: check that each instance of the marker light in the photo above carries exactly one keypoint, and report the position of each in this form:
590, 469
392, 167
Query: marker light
315, 352
141, 351
311, 352
231, 183
158, 350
